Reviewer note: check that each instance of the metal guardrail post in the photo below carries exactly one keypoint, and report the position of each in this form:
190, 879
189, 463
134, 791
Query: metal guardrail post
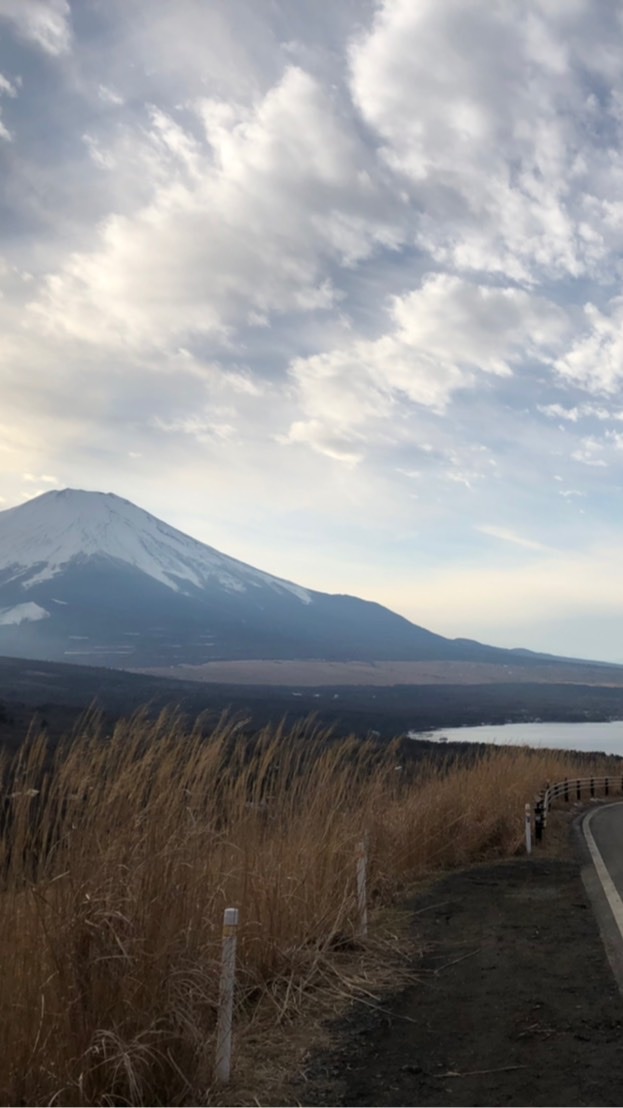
538, 820
560, 789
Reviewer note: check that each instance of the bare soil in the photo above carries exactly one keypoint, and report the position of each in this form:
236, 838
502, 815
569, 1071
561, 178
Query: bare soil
514, 1002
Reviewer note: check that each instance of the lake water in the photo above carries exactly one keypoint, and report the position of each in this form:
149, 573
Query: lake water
607, 737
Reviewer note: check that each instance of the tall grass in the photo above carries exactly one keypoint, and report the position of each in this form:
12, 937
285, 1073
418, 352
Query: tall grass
118, 859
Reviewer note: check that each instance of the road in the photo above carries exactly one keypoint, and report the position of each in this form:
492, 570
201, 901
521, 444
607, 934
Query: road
510, 1000
602, 829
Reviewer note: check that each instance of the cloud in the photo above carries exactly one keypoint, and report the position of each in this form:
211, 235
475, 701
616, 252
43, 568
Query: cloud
506, 535
243, 220
45, 477
171, 53
493, 118
442, 337
46, 23
6, 87
558, 411
109, 96
590, 453
581, 412
594, 362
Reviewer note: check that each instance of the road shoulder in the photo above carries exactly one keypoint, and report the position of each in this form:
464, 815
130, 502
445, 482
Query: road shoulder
514, 1002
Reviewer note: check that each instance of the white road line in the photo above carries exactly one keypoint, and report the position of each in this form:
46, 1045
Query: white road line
607, 884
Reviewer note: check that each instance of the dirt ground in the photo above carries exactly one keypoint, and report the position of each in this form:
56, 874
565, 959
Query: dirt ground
514, 1002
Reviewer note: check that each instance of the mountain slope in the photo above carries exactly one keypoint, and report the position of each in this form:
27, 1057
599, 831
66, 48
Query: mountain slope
39, 538
90, 577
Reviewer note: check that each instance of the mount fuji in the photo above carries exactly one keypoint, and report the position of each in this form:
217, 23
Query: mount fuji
89, 577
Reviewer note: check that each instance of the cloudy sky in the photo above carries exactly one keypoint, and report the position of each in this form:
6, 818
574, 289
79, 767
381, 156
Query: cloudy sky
334, 287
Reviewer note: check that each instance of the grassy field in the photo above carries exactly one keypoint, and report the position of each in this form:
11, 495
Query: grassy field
315, 674
119, 859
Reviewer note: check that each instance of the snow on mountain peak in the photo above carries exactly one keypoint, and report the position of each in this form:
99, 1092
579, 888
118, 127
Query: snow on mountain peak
39, 538
23, 613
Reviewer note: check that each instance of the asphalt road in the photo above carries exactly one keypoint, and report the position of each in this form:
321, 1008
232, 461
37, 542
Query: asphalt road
511, 1002
606, 825
602, 831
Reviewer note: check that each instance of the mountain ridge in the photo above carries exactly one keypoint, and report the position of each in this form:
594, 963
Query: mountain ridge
91, 577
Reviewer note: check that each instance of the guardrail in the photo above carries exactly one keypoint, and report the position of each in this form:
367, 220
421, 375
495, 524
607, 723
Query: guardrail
572, 788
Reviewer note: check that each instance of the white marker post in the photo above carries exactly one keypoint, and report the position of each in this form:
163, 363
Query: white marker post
528, 829
361, 858
222, 1068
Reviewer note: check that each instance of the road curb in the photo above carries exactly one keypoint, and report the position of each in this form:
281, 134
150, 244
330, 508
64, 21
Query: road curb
608, 913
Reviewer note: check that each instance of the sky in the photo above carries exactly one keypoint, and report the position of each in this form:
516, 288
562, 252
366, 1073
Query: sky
333, 287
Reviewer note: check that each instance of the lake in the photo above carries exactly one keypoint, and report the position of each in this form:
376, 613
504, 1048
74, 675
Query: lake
607, 737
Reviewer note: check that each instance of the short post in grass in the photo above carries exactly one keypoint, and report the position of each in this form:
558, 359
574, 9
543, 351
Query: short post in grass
222, 1069
361, 862
528, 821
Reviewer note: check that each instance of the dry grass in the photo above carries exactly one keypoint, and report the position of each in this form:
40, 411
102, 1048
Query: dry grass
311, 673
119, 859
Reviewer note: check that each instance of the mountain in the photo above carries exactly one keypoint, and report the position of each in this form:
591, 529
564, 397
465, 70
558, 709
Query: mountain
89, 577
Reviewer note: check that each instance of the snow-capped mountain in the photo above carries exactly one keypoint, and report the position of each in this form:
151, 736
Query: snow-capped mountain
39, 539
90, 577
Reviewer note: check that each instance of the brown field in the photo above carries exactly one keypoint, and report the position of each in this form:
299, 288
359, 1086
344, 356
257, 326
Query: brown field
117, 862
319, 673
